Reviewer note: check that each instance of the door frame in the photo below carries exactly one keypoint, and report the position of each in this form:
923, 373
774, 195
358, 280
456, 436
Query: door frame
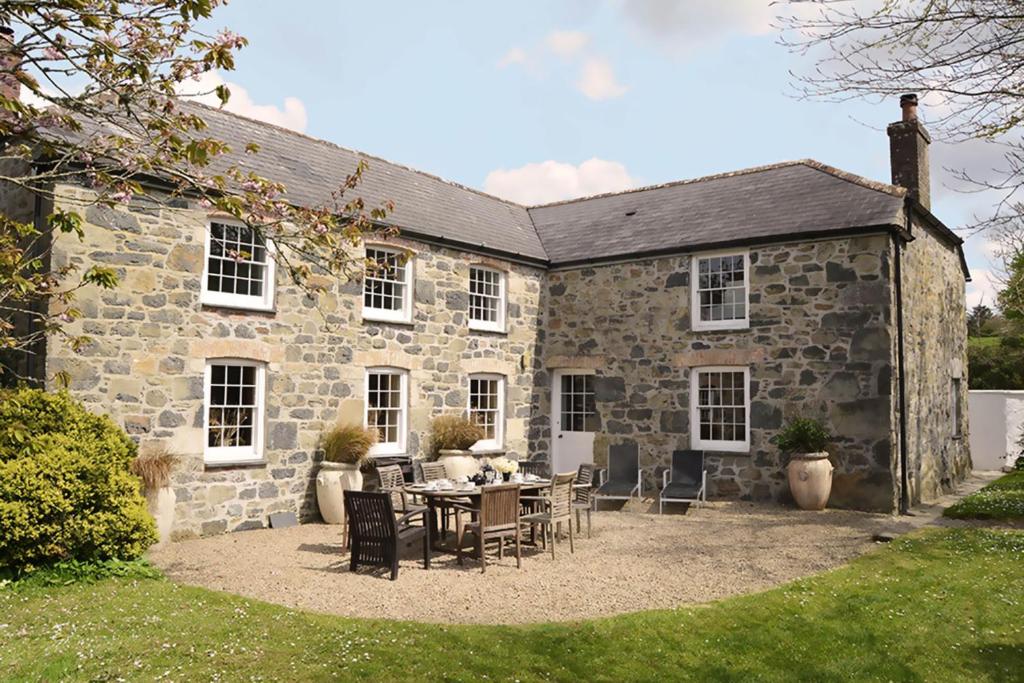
556, 410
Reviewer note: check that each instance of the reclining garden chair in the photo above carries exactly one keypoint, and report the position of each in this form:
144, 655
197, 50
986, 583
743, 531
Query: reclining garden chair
688, 482
622, 479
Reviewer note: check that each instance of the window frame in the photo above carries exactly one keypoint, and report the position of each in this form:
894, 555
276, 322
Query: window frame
734, 323
696, 442
487, 325
387, 447
587, 373
248, 302
498, 442
223, 455
404, 315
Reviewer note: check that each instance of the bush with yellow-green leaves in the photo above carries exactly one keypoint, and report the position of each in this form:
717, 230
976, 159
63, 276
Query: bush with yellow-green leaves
66, 491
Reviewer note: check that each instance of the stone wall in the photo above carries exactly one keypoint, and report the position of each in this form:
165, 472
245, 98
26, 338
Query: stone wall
819, 345
935, 341
152, 337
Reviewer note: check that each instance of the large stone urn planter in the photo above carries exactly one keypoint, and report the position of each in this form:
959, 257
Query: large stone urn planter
459, 463
160, 503
333, 479
810, 480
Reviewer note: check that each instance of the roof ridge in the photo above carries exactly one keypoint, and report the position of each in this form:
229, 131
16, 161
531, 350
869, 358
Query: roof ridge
811, 163
221, 110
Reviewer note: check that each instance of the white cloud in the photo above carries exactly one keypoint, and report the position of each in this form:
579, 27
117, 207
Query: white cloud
567, 44
291, 115
983, 288
551, 181
516, 55
597, 80
682, 25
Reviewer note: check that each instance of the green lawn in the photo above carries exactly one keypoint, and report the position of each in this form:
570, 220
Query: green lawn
943, 605
1001, 499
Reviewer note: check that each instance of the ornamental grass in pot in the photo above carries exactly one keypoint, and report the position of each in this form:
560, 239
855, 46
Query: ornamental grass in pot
809, 469
345, 448
154, 466
451, 437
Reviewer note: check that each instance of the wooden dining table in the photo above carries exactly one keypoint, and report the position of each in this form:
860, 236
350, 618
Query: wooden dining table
437, 499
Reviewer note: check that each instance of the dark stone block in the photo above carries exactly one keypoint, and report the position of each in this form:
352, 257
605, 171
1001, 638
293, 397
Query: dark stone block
848, 319
268, 490
799, 281
213, 527
814, 352
457, 300
105, 216
249, 525
169, 419
639, 414
588, 345
283, 473
765, 271
885, 380
835, 272
811, 268
283, 520
425, 291
608, 389
765, 415
842, 386
283, 435
807, 378
675, 421
677, 280
636, 352
557, 289
247, 494
871, 343
617, 427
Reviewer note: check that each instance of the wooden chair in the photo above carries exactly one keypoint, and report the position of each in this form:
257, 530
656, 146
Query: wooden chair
496, 518
392, 481
534, 467
377, 534
432, 471
582, 499
556, 507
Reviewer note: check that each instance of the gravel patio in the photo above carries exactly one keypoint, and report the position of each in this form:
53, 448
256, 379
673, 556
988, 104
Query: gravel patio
635, 561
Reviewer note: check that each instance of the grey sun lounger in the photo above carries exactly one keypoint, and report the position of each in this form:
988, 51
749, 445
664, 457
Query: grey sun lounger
621, 480
688, 482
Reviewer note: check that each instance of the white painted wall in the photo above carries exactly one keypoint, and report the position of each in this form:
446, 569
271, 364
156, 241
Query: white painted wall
996, 419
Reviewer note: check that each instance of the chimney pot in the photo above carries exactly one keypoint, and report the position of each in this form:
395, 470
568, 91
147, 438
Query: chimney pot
908, 103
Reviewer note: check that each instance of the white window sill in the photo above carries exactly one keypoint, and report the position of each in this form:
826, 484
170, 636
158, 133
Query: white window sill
718, 326
375, 317
722, 447
256, 306
241, 462
484, 327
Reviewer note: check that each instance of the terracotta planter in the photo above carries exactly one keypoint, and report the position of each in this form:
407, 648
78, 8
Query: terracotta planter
331, 481
161, 505
459, 463
810, 480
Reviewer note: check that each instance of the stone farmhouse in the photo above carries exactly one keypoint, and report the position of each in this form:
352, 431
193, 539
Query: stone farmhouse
697, 314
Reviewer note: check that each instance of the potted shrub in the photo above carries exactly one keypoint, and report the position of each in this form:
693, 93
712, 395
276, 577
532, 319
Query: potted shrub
154, 467
810, 471
345, 449
451, 437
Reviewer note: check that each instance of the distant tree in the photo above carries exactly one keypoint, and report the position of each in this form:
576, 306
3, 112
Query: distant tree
968, 55
98, 82
978, 317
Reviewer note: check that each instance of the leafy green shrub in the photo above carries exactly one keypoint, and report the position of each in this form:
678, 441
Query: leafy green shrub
453, 433
348, 443
996, 364
66, 492
802, 435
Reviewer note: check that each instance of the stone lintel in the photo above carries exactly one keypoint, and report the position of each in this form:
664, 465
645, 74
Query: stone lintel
576, 362
705, 357
237, 348
493, 366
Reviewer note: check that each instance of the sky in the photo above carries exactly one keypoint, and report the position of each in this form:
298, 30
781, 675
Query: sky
540, 101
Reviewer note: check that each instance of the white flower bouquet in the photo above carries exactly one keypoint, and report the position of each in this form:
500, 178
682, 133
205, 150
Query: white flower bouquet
504, 465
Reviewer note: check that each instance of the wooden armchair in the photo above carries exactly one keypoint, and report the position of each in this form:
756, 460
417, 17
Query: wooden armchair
377, 535
392, 481
556, 507
582, 497
496, 518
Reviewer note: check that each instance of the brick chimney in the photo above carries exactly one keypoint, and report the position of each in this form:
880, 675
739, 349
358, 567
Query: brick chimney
908, 152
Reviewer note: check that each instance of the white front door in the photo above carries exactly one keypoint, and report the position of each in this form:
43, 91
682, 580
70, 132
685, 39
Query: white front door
573, 419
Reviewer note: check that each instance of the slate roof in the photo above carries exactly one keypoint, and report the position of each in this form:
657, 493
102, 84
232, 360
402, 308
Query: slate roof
797, 200
311, 169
